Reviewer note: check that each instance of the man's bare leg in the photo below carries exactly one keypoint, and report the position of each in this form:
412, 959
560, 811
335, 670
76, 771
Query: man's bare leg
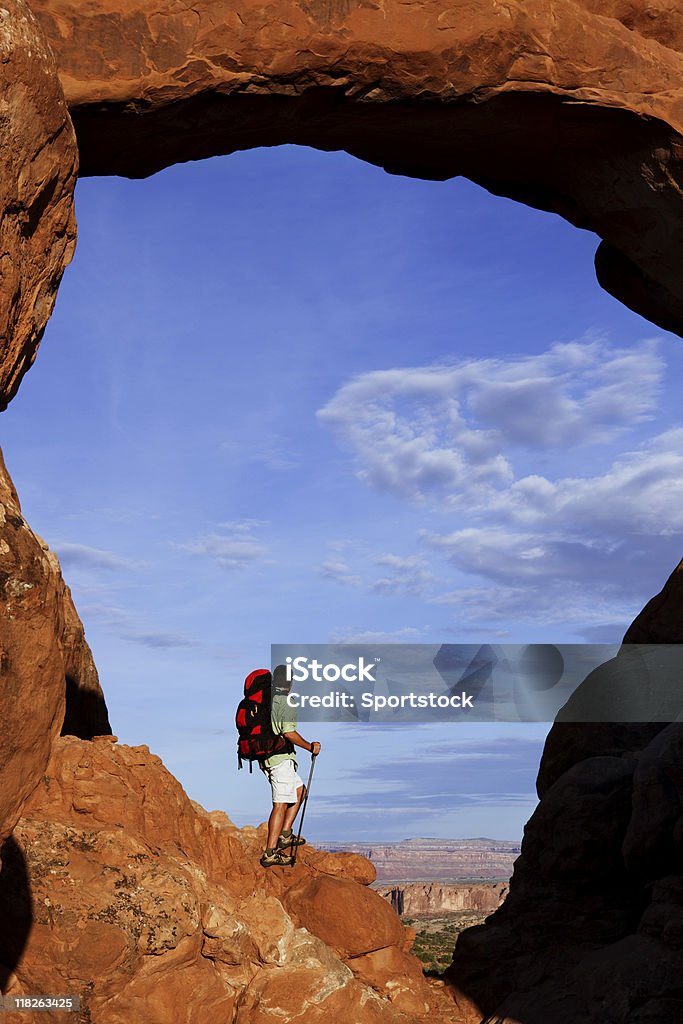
276, 823
282, 817
293, 809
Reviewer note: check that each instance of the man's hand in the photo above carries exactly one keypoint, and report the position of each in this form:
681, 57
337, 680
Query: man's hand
298, 740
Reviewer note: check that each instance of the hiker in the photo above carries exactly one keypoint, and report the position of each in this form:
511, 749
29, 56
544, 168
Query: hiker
287, 786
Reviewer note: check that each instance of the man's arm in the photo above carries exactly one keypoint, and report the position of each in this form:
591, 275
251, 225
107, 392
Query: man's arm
298, 741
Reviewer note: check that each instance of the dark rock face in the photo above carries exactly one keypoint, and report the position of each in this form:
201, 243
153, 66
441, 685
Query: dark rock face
661, 620
593, 927
574, 107
37, 178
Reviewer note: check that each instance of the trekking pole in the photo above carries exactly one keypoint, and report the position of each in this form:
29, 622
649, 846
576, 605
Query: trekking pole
303, 809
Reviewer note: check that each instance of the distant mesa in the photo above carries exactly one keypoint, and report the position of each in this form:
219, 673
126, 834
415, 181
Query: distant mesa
438, 859
431, 899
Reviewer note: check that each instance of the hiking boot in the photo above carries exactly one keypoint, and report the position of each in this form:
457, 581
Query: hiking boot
287, 839
275, 859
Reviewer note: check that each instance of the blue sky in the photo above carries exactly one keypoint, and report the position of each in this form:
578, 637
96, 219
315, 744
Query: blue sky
286, 397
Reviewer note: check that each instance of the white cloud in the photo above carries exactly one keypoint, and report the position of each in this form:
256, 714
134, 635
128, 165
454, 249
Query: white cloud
234, 549
129, 625
428, 450
340, 572
159, 640
545, 602
442, 430
564, 548
81, 556
354, 635
641, 492
402, 575
576, 393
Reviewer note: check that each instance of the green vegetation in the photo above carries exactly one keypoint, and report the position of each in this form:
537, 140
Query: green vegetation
435, 939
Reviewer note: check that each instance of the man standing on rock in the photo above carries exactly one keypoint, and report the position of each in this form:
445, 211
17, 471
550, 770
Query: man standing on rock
287, 786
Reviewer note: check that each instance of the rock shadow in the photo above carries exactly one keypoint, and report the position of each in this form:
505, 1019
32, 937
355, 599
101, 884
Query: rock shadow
16, 913
86, 712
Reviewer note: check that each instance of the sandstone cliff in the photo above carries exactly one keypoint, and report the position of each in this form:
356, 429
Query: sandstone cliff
418, 899
48, 675
37, 177
117, 887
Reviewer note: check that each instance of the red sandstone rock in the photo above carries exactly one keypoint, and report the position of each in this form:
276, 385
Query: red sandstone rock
395, 974
350, 920
348, 865
323, 993
574, 106
428, 898
41, 640
153, 909
37, 178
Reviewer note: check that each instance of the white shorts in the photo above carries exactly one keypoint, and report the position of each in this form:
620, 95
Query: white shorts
284, 782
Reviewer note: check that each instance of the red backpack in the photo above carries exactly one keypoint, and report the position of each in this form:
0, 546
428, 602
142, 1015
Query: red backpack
257, 740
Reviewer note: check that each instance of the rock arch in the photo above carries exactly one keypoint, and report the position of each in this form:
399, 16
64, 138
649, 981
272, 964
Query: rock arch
572, 106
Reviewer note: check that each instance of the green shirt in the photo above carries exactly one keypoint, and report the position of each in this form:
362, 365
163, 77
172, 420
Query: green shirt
283, 719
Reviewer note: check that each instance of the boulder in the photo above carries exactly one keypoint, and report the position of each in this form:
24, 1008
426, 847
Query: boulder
350, 919
396, 975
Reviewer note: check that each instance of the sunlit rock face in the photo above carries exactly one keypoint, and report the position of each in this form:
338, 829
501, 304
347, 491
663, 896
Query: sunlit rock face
574, 107
118, 887
49, 680
592, 929
47, 666
416, 899
37, 177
